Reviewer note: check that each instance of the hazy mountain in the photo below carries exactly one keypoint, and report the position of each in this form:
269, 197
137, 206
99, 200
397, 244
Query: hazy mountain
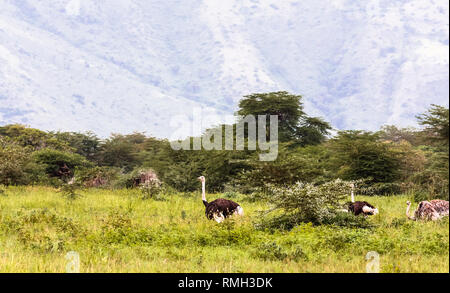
125, 65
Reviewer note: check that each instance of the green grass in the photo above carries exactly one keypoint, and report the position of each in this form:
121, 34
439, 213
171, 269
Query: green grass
117, 231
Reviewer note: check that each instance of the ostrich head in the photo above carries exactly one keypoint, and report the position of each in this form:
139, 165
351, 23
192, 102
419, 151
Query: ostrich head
201, 178
408, 203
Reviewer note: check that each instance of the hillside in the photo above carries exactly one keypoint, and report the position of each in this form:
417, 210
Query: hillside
122, 66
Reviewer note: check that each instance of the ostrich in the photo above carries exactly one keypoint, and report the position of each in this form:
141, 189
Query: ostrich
220, 208
441, 206
360, 207
429, 210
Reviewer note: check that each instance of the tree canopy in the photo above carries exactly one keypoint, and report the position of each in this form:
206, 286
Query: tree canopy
294, 125
436, 122
389, 160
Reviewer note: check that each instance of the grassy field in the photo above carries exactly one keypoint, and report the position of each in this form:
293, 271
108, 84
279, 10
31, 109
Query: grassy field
117, 231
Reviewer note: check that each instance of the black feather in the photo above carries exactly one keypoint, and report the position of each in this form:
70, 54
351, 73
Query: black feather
357, 207
220, 206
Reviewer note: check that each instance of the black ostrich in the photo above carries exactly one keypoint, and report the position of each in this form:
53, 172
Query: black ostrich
221, 208
361, 207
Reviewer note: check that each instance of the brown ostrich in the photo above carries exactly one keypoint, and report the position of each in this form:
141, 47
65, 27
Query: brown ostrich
221, 208
441, 206
429, 210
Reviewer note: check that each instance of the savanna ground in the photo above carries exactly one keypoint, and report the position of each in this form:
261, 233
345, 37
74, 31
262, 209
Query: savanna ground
118, 231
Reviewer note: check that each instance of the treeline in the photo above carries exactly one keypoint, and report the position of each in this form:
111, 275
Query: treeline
391, 160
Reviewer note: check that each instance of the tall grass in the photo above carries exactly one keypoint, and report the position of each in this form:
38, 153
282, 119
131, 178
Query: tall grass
119, 231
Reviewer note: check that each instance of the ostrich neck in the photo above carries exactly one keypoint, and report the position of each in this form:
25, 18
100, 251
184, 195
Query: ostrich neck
353, 195
203, 191
407, 212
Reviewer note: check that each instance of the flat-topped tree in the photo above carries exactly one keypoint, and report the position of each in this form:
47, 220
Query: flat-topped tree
294, 125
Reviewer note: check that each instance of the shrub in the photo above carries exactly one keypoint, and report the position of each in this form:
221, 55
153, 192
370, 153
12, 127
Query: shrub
97, 176
60, 164
13, 159
116, 220
342, 219
43, 230
435, 177
118, 228
305, 202
341, 239
292, 165
358, 154
152, 189
136, 178
183, 176
69, 190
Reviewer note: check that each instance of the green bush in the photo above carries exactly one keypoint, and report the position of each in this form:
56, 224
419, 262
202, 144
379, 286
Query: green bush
152, 190
100, 177
60, 164
435, 177
344, 219
13, 159
69, 190
117, 227
43, 230
305, 202
134, 178
358, 154
292, 165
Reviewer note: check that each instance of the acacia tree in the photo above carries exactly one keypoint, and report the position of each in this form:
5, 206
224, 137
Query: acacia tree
33, 138
301, 164
60, 164
436, 122
395, 134
435, 178
293, 123
122, 151
359, 154
85, 144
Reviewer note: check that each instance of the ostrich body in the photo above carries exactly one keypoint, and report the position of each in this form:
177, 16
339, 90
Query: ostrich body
429, 210
441, 206
360, 207
221, 208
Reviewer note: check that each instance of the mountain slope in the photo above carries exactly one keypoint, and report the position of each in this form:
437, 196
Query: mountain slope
122, 66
